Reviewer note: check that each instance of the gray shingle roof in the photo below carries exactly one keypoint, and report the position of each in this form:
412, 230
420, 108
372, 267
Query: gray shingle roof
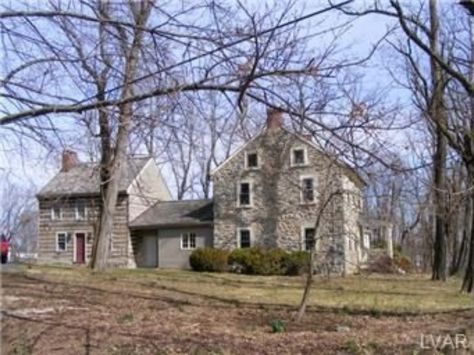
176, 213
83, 179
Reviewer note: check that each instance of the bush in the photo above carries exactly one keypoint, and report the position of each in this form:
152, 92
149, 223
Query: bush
257, 261
295, 263
209, 259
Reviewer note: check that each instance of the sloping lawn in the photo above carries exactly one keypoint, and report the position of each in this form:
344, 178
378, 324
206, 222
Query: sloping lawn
405, 294
49, 310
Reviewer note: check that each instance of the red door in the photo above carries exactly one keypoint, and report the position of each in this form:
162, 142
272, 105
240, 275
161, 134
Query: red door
80, 248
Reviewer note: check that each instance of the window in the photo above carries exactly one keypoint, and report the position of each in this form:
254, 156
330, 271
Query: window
307, 190
244, 194
80, 210
244, 238
309, 238
252, 160
188, 241
62, 241
56, 212
298, 156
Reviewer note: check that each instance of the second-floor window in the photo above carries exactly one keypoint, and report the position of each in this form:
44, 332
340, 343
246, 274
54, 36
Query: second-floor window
252, 160
80, 210
307, 190
244, 194
56, 213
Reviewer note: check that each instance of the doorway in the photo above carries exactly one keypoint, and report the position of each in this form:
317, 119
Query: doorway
80, 248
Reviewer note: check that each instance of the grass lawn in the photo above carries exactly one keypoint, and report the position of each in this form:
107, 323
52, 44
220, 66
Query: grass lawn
375, 293
71, 310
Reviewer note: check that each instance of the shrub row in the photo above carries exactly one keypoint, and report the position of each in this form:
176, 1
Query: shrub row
252, 261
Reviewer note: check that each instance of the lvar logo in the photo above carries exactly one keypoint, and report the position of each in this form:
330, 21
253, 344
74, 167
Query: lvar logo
444, 342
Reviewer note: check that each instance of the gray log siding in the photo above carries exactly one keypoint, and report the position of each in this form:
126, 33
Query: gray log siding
48, 229
277, 215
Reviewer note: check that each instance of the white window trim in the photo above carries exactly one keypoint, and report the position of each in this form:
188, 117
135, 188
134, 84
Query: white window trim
302, 201
302, 236
251, 192
53, 217
76, 210
57, 242
305, 153
74, 246
181, 240
239, 229
259, 163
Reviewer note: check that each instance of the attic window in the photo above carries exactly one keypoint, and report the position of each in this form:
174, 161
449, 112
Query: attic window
298, 157
252, 161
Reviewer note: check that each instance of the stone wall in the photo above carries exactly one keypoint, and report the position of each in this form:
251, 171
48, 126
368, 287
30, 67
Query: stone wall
277, 216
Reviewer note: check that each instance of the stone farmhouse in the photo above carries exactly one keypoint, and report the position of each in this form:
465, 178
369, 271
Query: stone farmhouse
270, 192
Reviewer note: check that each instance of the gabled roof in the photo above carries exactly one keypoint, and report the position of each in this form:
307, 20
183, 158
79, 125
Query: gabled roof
84, 179
351, 171
176, 213
236, 152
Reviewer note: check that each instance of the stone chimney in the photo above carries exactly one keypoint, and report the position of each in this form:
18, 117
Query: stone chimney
308, 136
69, 160
274, 118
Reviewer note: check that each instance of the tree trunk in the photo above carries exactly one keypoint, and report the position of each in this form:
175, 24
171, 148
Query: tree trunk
460, 257
112, 167
437, 115
468, 281
307, 288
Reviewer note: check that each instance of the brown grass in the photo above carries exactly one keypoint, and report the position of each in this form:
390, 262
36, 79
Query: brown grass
58, 310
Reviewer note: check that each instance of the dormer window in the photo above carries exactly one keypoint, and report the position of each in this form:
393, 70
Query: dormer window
244, 198
56, 213
298, 157
251, 161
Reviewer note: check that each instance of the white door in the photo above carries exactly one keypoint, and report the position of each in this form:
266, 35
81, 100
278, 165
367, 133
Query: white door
150, 251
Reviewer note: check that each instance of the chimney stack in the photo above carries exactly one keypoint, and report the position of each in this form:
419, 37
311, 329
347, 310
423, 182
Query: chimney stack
274, 118
69, 160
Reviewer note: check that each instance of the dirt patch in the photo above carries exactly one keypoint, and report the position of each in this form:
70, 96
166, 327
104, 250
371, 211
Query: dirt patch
112, 317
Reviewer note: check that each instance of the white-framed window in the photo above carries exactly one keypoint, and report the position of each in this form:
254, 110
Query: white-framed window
244, 192
252, 160
307, 189
309, 238
244, 236
188, 241
299, 156
80, 210
62, 241
56, 212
